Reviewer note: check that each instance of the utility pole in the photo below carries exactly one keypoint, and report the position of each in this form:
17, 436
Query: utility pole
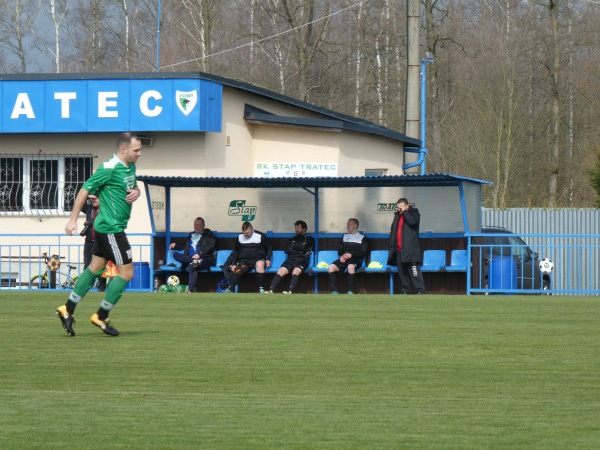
412, 78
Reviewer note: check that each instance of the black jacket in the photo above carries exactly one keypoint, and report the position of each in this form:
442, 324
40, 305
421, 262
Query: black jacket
255, 247
355, 244
411, 248
206, 247
299, 247
90, 216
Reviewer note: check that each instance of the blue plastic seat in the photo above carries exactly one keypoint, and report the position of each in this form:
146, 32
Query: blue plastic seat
381, 257
279, 256
172, 265
434, 261
458, 261
327, 256
222, 256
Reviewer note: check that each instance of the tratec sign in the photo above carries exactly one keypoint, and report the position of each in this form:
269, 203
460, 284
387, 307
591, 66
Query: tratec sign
110, 105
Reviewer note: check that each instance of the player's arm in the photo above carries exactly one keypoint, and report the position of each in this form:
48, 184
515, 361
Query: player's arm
133, 194
268, 249
235, 254
363, 248
310, 245
411, 216
78, 205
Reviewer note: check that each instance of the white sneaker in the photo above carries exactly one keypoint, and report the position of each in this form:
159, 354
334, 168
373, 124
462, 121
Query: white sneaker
286, 292
261, 291
267, 292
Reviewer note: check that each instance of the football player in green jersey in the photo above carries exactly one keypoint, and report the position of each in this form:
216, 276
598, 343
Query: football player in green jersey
114, 183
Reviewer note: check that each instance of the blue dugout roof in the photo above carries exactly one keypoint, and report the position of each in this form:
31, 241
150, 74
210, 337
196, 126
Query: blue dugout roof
434, 179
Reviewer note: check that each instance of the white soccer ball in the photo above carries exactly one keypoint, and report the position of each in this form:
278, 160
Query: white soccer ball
173, 280
546, 265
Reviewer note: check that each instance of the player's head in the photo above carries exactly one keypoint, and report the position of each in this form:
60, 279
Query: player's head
94, 201
300, 227
247, 229
199, 225
401, 204
352, 225
129, 147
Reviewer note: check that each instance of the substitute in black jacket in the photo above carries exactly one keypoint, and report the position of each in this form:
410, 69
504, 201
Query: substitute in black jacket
352, 251
91, 210
298, 250
405, 250
199, 251
252, 250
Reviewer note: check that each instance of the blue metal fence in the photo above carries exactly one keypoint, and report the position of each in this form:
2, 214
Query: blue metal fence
26, 261
516, 268
575, 258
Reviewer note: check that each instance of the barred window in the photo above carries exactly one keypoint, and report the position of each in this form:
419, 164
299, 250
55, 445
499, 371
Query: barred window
41, 184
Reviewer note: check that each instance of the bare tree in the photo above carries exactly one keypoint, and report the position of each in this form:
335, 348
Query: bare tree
554, 73
58, 9
17, 18
307, 36
198, 28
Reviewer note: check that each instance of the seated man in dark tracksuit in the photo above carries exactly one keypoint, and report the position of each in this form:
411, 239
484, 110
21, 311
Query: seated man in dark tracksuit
199, 252
252, 250
298, 250
352, 251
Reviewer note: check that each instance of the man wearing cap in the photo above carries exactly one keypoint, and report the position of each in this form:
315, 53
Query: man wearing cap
91, 211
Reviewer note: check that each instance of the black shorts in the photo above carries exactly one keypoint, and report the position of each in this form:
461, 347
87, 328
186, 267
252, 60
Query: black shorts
248, 264
114, 247
291, 264
344, 265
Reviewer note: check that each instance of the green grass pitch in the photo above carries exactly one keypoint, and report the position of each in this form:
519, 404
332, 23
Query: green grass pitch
302, 372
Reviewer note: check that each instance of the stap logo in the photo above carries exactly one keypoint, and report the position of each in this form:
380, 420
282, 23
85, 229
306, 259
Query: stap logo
239, 208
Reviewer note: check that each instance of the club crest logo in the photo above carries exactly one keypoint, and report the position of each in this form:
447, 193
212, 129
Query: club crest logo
186, 101
239, 208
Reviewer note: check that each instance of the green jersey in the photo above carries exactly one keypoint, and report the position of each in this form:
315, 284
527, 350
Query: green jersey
110, 183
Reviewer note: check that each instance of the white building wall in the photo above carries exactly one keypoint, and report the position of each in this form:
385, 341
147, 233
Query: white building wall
233, 152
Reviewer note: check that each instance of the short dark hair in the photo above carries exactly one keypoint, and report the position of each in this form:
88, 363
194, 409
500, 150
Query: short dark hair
246, 225
200, 219
124, 139
402, 200
301, 224
354, 220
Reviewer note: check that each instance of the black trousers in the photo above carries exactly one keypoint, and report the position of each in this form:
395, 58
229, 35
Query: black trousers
409, 272
87, 259
186, 260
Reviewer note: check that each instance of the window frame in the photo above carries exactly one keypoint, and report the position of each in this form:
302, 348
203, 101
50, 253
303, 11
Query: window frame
64, 197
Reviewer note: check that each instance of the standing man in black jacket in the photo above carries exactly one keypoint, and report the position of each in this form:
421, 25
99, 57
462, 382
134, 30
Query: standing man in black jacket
91, 210
405, 250
199, 252
298, 250
252, 250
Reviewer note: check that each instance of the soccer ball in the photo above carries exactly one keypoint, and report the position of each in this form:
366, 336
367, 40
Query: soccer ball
173, 280
546, 265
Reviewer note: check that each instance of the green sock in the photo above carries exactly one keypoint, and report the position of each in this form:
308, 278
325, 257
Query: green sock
84, 281
115, 290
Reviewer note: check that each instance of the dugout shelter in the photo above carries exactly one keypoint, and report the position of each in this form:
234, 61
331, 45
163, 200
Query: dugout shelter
450, 207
